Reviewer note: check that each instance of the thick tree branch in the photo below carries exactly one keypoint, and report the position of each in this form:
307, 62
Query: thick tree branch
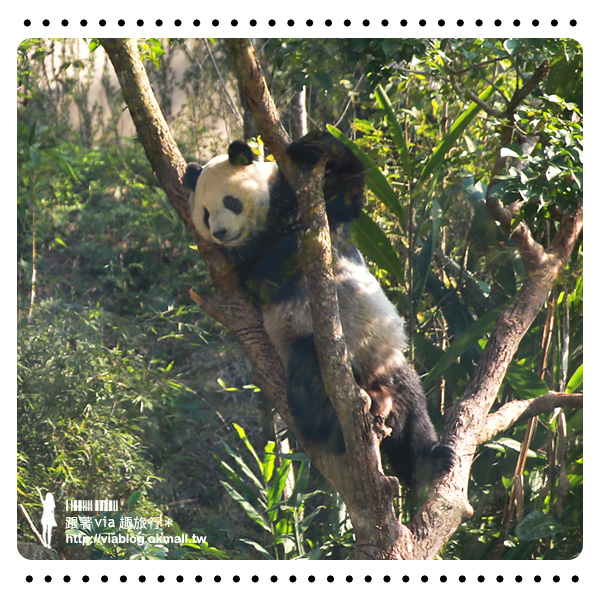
447, 504
531, 251
329, 336
467, 418
258, 96
356, 474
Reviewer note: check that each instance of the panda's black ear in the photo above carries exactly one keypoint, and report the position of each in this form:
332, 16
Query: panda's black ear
190, 177
240, 154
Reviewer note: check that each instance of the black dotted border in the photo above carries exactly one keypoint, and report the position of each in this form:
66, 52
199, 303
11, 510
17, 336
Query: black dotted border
310, 579
308, 23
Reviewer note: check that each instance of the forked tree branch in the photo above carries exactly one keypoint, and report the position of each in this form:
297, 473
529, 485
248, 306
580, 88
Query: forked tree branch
367, 492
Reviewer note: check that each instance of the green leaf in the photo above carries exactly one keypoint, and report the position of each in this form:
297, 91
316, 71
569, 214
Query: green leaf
269, 461
374, 178
250, 510
423, 261
395, 129
537, 525
375, 245
277, 486
258, 548
133, 499
298, 496
512, 46
244, 438
576, 380
524, 382
306, 521
472, 334
475, 191
246, 470
505, 443
453, 134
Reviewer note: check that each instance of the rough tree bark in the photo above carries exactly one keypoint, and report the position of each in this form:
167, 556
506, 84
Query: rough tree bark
356, 474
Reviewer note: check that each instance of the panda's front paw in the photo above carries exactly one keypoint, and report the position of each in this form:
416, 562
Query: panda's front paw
443, 457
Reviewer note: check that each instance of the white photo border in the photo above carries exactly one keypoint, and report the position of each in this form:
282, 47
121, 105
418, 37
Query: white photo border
308, 19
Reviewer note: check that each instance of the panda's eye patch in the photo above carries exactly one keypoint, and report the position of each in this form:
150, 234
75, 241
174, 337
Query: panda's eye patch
233, 204
206, 217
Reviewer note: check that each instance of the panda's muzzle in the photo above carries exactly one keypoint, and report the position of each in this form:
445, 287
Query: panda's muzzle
220, 234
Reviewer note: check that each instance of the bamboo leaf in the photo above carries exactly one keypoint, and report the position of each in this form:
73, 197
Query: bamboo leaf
277, 486
395, 129
244, 438
524, 382
481, 327
269, 461
453, 134
244, 468
260, 549
576, 380
250, 510
423, 261
375, 245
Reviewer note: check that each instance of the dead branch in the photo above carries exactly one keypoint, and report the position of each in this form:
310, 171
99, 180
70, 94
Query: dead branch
520, 410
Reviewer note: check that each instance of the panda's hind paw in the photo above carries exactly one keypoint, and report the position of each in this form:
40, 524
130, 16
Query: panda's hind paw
444, 457
305, 155
380, 428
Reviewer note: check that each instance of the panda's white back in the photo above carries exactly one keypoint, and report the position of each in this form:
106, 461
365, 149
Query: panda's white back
373, 329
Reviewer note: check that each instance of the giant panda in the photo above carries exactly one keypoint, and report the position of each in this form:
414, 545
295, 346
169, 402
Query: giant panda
248, 209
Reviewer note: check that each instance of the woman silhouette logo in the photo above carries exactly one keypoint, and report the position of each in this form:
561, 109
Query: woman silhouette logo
48, 520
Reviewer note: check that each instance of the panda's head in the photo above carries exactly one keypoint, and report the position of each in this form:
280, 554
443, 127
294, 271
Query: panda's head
230, 197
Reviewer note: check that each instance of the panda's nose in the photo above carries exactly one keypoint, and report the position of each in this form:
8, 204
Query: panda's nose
220, 234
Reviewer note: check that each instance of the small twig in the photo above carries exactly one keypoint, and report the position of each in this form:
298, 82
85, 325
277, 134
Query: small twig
230, 101
208, 305
490, 110
476, 65
33, 527
522, 93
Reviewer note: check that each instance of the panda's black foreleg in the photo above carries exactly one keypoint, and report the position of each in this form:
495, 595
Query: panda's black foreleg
312, 411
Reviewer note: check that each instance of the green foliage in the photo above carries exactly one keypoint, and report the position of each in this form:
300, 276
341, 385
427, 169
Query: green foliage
281, 515
84, 405
551, 179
